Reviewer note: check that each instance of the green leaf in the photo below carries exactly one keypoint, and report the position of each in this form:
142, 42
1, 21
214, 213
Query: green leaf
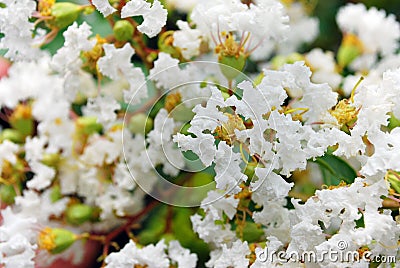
334, 169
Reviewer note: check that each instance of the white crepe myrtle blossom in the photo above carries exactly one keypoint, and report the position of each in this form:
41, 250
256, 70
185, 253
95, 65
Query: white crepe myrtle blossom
235, 256
154, 15
187, 39
17, 29
373, 34
67, 60
259, 22
304, 29
104, 7
17, 242
104, 107
380, 36
324, 68
116, 65
152, 256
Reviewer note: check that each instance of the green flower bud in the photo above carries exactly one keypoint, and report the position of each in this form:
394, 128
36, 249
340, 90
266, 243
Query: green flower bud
79, 213
88, 125
12, 135
278, 61
140, 124
51, 159
237, 64
349, 50
123, 30
55, 194
56, 240
347, 54
252, 232
65, 14
88, 10
7, 194
21, 120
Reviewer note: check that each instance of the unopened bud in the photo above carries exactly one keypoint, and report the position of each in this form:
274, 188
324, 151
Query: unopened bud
11, 135
140, 124
235, 64
56, 240
88, 125
123, 30
65, 14
79, 213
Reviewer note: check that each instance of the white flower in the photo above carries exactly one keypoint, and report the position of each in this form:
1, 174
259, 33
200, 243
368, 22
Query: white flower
324, 68
386, 154
17, 29
217, 203
264, 20
228, 172
154, 16
234, 256
161, 147
269, 186
27, 80
211, 232
116, 64
104, 7
17, 239
118, 201
8, 150
379, 33
102, 150
187, 39
182, 6
131, 255
67, 60
43, 177
181, 256
41, 207
303, 29
103, 107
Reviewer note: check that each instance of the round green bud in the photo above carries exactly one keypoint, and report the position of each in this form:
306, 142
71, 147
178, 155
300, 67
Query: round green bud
88, 125
252, 232
51, 159
63, 239
55, 193
65, 14
123, 30
12, 135
234, 65
346, 54
79, 213
7, 194
140, 124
